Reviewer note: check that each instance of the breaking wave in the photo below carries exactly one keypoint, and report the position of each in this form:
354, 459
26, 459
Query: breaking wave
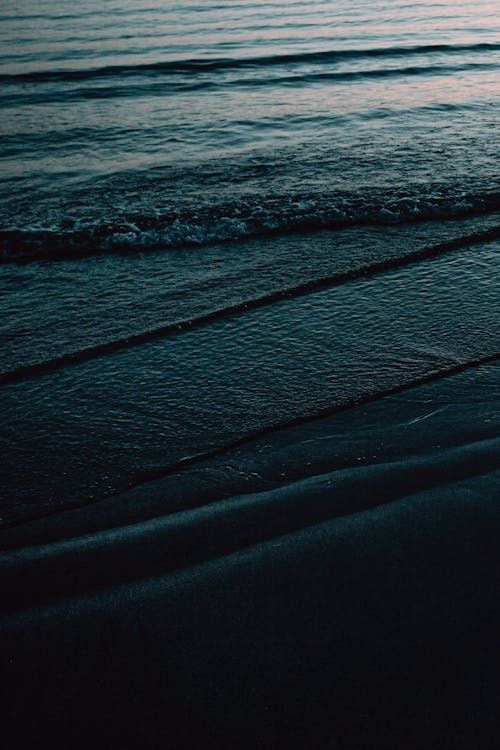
244, 218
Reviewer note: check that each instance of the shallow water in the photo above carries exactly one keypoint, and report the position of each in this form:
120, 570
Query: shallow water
281, 164
92, 430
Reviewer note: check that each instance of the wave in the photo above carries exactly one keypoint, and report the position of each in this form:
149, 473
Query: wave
160, 472
195, 65
177, 508
190, 84
175, 328
231, 222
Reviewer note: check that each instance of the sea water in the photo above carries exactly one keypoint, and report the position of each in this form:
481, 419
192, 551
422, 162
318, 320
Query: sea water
146, 124
176, 176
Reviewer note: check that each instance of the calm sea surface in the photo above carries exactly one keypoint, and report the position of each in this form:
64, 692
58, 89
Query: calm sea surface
251, 148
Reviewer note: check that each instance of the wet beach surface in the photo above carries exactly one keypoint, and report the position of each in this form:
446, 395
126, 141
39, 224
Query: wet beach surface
249, 374
331, 582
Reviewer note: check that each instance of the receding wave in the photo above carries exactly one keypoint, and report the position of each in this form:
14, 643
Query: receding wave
206, 65
175, 328
159, 472
243, 219
487, 455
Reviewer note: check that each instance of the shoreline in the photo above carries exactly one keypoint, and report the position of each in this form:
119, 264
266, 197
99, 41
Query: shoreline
87, 433
284, 455
371, 626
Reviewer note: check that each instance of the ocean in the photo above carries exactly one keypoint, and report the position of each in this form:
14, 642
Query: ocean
222, 218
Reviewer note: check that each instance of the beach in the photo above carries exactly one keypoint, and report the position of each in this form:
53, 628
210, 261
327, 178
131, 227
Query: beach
349, 596
249, 374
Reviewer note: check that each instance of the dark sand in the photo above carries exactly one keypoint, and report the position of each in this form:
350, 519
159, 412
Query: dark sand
330, 585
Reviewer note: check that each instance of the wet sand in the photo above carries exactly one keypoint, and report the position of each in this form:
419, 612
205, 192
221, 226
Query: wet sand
328, 585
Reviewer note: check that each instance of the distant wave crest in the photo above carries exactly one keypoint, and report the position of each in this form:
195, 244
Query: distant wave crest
201, 65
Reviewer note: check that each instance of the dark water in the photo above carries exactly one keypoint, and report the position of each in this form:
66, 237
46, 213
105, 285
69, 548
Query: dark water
257, 151
160, 124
